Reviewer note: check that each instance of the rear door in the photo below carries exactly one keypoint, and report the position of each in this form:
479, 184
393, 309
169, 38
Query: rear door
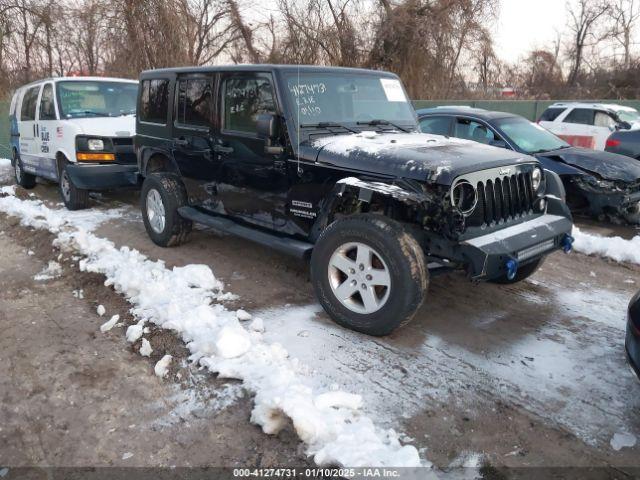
27, 129
253, 184
577, 128
46, 123
193, 118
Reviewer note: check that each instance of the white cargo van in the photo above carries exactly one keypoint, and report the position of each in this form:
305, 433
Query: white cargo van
77, 131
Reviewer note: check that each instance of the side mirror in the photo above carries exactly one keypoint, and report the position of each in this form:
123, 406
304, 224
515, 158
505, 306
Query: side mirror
623, 126
267, 126
498, 143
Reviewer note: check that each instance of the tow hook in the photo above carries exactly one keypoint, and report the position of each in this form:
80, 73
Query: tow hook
512, 268
567, 243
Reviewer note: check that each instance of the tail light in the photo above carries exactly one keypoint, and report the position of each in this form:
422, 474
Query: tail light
612, 142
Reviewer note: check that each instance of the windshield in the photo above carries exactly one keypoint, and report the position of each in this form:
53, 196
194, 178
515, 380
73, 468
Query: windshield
96, 98
529, 137
628, 115
348, 99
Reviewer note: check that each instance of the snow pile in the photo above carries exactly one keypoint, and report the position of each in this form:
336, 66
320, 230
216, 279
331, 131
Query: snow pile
616, 248
109, 324
622, 440
6, 170
183, 299
162, 367
145, 348
53, 270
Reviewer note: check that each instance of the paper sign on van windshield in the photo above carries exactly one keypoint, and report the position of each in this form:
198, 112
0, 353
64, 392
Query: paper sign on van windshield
393, 90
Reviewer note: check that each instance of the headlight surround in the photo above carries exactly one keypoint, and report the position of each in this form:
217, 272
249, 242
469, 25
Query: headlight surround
464, 197
95, 144
537, 179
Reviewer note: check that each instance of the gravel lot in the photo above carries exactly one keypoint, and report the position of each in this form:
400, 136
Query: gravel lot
530, 375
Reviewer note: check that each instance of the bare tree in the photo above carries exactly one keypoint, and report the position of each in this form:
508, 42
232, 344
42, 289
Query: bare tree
625, 15
584, 18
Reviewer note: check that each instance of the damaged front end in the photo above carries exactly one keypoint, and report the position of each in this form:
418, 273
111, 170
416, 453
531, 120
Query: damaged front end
597, 197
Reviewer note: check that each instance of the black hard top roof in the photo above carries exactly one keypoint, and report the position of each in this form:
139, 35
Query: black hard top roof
480, 113
263, 68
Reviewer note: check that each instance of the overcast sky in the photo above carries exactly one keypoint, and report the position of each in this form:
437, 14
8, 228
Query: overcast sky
527, 24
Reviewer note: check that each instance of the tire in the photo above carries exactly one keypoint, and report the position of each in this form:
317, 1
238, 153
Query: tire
162, 194
396, 259
74, 198
523, 273
24, 179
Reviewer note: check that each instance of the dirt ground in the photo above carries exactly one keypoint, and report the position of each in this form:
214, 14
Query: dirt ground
525, 376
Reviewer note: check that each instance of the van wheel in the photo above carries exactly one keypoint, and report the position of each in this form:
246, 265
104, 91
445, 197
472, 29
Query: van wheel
523, 273
369, 273
161, 197
24, 179
74, 198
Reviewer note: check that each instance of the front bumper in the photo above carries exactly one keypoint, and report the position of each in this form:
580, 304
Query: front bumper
611, 202
103, 177
487, 255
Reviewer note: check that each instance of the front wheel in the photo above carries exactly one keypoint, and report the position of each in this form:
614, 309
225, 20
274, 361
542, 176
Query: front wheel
369, 273
73, 197
523, 273
161, 197
24, 179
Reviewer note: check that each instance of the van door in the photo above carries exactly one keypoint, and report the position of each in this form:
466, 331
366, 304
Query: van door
27, 128
46, 127
253, 183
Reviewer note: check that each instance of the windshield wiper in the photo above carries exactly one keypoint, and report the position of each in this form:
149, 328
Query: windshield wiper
547, 150
327, 125
376, 122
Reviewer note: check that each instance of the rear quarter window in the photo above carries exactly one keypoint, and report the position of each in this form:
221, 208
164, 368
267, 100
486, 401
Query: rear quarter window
154, 101
550, 114
29, 104
436, 125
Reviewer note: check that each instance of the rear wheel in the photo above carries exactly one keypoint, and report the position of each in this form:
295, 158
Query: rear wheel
161, 197
523, 273
368, 273
24, 179
73, 197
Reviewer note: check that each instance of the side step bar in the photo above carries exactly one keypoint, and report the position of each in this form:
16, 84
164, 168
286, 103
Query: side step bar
289, 246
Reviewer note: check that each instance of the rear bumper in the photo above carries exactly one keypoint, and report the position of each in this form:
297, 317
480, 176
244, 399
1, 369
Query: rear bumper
526, 242
103, 177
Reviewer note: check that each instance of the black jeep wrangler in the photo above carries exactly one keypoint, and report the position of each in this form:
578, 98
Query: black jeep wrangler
327, 164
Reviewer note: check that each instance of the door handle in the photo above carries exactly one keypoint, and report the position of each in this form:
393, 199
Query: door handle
222, 149
180, 142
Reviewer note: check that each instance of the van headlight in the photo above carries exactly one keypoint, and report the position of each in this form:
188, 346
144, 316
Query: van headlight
95, 144
536, 179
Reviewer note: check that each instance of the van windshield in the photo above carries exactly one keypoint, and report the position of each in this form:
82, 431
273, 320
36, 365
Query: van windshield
96, 98
348, 98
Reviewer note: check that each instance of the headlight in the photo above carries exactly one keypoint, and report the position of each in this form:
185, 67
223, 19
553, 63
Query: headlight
95, 144
464, 196
536, 179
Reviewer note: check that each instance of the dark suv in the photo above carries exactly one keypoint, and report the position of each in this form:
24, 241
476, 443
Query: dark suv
328, 164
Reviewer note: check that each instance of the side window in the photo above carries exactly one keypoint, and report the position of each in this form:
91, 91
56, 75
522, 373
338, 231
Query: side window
29, 104
47, 105
154, 101
550, 114
195, 101
472, 130
582, 116
436, 125
245, 97
603, 119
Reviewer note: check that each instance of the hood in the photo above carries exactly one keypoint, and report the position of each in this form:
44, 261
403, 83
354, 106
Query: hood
418, 156
609, 166
124, 126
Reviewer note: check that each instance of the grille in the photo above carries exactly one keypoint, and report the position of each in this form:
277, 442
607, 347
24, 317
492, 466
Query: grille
502, 198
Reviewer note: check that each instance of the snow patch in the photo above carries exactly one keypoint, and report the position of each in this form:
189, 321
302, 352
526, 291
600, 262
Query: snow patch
622, 440
243, 315
162, 367
145, 348
183, 299
134, 332
616, 248
109, 324
101, 310
53, 270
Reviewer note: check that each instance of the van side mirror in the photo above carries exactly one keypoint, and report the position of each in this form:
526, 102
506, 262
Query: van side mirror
267, 126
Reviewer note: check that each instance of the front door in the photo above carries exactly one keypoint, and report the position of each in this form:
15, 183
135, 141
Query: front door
253, 184
46, 127
27, 128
